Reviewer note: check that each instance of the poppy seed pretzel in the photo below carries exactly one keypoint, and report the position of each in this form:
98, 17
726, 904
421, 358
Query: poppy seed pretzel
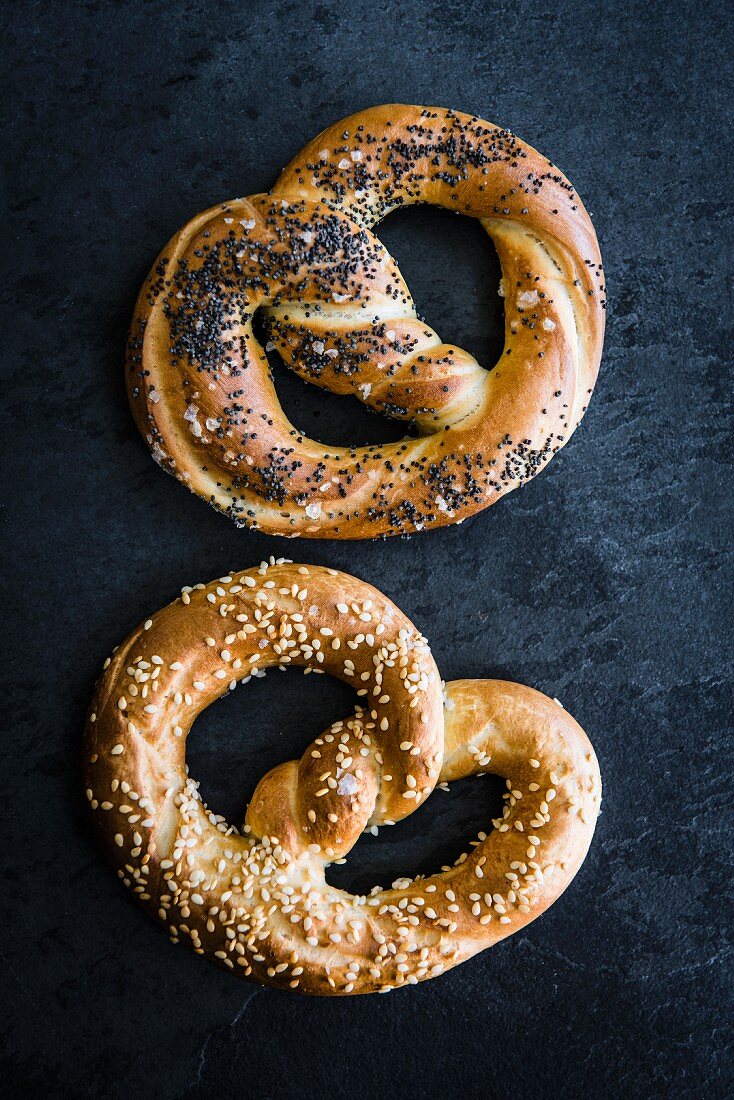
257, 901
339, 313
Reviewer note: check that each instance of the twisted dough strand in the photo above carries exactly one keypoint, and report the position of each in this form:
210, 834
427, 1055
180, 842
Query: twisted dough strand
340, 314
258, 902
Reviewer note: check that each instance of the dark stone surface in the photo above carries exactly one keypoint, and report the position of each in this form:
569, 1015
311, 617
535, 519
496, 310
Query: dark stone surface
605, 582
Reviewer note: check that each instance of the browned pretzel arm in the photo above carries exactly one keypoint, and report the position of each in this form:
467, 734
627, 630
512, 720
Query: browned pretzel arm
340, 314
257, 901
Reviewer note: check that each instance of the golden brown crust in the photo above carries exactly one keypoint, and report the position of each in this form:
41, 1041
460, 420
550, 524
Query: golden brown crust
257, 901
340, 314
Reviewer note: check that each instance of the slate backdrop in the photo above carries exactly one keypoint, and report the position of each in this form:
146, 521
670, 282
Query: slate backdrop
604, 582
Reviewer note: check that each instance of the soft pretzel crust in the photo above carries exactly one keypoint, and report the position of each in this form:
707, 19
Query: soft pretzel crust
339, 313
257, 901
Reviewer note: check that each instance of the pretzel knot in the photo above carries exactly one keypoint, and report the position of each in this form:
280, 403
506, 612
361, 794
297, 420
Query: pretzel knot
257, 900
339, 313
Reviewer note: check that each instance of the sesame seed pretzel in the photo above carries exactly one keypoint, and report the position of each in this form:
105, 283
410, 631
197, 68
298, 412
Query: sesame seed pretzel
257, 901
339, 313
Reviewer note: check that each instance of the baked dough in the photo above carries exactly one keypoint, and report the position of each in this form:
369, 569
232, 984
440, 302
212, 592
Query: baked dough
257, 901
340, 314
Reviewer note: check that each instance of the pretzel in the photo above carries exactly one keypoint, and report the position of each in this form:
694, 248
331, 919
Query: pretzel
340, 314
257, 901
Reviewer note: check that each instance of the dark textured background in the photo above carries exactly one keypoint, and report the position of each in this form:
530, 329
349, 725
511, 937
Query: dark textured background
605, 582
